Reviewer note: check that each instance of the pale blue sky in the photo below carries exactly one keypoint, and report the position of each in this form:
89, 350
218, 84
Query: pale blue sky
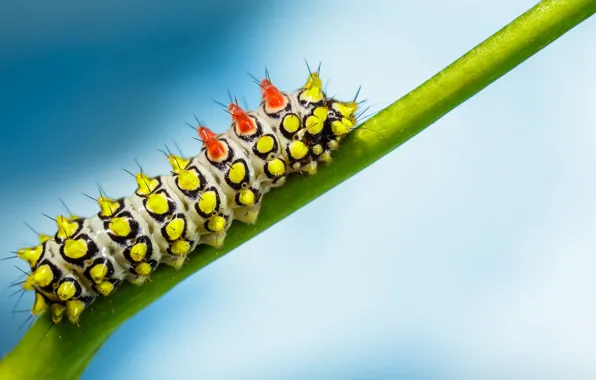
474, 260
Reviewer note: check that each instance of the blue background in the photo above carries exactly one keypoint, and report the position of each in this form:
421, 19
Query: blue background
472, 256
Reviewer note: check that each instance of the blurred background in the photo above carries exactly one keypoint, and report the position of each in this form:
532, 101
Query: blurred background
477, 260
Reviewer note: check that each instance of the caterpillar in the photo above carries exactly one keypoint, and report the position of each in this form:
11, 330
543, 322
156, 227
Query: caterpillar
169, 215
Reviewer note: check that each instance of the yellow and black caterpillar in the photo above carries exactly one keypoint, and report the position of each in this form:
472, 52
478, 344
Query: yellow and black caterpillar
169, 215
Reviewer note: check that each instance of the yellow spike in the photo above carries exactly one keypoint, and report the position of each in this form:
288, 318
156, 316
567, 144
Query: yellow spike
346, 109
105, 288
175, 228
298, 149
43, 238
178, 163
66, 290
188, 180
43, 276
39, 305
28, 285
98, 272
276, 167
246, 197
108, 206
145, 184
66, 227
57, 310
74, 309
180, 247
313, 89
217, 223
143, 269
138, 252
30, 255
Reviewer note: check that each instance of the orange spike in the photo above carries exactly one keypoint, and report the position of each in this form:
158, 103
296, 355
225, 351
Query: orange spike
271, 94
244, 123
215, 148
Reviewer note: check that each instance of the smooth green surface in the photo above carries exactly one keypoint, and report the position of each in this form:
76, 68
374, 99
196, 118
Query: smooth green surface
66, 349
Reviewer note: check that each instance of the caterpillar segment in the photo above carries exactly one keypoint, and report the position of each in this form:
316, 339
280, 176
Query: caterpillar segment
231, 167
203, 198
58, 278
173, 231
280, 110
312, 104
128, 236
85, 253
168, 216
256, 137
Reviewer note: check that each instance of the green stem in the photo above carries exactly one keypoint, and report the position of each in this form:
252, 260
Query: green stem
64, 351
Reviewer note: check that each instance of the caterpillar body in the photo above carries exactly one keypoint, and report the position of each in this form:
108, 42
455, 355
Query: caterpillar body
169, 215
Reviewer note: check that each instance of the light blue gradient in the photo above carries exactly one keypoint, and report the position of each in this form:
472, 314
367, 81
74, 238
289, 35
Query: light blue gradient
466, 253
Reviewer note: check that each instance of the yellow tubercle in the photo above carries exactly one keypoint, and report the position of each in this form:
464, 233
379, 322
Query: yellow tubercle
108, 207
143, 269
310, 168
237, 172
325, 157
105, 288
57, 311
317, 149
217, 223
246, 197
30, 255
75, 249
43, 276
346, 109
39, 305
74, 308
98, 272
265, 144
178, 163
208, 202
188, 180
298, 149
138, 252
313, 89
175, 229
66, 227
145, 184
180, 247
321, 113
158, 204
291, 123
66, 290
120, 226
276, 167
339, 128
43, 238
